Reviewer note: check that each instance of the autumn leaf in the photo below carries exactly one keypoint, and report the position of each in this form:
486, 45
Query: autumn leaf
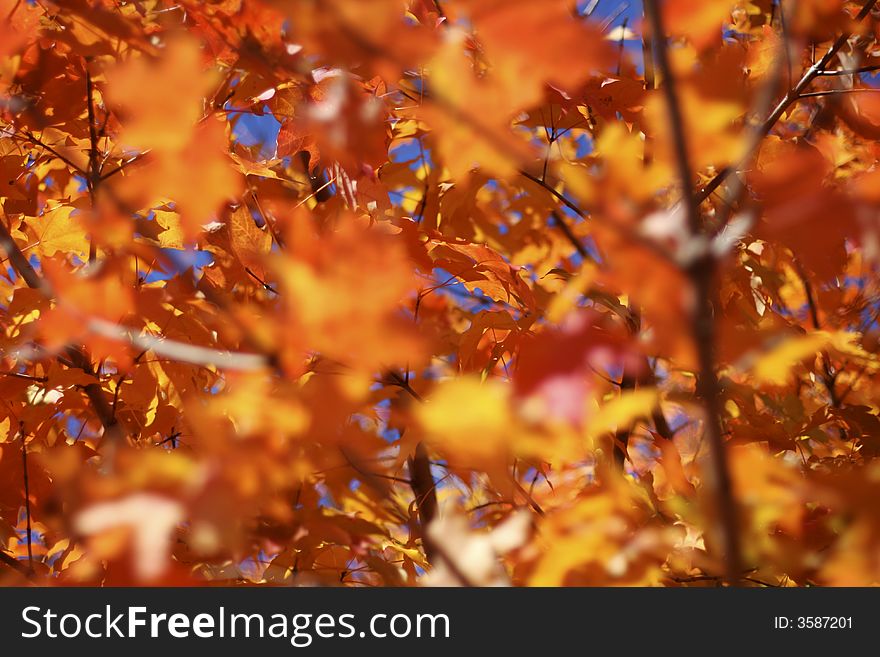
162, 100
698, 20
198, 179
531, 42
249, 243
459, 409
189, 154
775, 366
470, 133
343, 293
58, 229
479, 267
622, 412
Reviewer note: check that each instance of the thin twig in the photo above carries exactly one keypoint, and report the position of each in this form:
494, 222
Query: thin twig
590, 8
94, 178
124, 165
264, 284
559, 196
29, 136
828, 377
623, 231
792, 96
27, 377
839, 92
570, 236
853, 71
27, 495
785, 40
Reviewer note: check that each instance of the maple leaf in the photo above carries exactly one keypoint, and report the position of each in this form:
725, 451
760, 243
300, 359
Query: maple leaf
190, 156
464, 406
199, 178
532, 42
343, 294
161, 100
698, 20
250, 243
292, 140
480, 267
58, 229
473, 131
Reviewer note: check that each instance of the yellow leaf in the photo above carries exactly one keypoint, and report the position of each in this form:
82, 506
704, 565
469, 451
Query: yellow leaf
260, 169
622, 412
568, 297
56, 230
249, 242
171, 236
698, 20
522, 63
848, 343
76, 553
625, 172
466, 417
775, 366
250, 405
481, 138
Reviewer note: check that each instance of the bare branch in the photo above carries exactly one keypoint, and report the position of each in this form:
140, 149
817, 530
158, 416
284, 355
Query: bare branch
838, 92
179, 351
854, 71
29, 137
27, 495
792, 96
94, 178
703, 275
16, 565
124, 165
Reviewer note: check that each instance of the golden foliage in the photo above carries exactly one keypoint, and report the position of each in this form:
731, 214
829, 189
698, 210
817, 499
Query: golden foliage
370, 292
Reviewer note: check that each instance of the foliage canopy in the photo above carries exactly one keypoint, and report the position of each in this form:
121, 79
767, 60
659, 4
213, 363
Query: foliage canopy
388, 292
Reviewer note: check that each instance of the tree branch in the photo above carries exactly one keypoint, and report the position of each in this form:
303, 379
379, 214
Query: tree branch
424, 490
94, 177
29, 137
839, 92
124, 165
560, 197
791, 97
828, 377
422, 482
854, 71
27, 495
570, 236
180, 351
16, 565
702, 274
112, 429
